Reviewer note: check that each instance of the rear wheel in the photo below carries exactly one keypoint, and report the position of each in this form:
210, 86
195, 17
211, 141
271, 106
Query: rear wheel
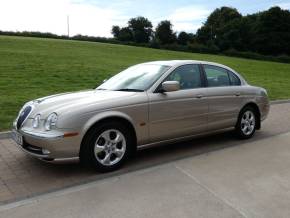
246, 125
107, 146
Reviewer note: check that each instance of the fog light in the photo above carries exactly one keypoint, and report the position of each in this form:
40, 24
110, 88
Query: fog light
45, 151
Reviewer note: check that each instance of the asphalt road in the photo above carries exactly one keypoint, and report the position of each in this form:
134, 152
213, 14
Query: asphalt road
250, 180
23, 177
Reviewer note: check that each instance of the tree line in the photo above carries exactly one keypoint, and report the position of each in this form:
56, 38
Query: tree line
225, 29
139, 30
264, 35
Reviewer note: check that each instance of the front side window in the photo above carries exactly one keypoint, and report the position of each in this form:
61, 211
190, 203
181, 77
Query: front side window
216, 76
188, 76
136, 78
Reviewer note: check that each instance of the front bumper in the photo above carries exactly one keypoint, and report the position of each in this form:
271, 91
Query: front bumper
49, 145
264, 110
41, 135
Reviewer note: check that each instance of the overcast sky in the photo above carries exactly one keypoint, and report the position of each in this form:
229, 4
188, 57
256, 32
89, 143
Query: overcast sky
96, 17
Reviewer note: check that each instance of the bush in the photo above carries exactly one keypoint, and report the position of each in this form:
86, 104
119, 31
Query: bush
200, 48
174, 47
256, 56
154, 44
284, 58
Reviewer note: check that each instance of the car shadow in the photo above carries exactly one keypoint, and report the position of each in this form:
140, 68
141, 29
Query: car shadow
39, 177
176, 151
151, 156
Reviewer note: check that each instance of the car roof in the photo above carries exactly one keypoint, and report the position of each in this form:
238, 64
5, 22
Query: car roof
173, 63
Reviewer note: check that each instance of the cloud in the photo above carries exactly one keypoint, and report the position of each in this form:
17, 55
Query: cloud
188, 18
190, 13
51, 16
285, 5
186, 26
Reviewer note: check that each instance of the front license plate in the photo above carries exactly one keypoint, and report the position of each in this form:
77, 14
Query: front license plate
17, 137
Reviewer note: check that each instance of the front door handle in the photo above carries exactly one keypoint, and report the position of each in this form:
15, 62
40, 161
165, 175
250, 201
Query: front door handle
237, 94
199, 96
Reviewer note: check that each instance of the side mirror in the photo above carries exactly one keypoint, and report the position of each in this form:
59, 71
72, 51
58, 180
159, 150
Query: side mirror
170, 86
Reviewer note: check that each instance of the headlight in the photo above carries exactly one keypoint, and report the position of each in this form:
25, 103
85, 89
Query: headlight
36, 121
50, 121
264, 92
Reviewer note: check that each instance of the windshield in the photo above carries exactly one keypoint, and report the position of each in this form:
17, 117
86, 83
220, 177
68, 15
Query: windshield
135, 78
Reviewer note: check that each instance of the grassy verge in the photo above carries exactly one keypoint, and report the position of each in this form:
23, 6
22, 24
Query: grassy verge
33, 67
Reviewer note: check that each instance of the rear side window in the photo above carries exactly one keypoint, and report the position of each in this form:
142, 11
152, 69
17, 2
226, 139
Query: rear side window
234, 79
216, 76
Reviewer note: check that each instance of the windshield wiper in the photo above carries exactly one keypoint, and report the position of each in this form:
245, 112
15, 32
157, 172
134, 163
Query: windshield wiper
130, 90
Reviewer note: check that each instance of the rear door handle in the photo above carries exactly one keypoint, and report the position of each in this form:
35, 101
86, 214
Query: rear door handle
237, 94
199, 96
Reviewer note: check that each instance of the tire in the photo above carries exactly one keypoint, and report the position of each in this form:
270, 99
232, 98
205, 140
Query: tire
247, 123
107, 146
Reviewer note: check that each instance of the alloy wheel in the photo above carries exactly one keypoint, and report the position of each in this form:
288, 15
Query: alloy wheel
110, 147
248, 123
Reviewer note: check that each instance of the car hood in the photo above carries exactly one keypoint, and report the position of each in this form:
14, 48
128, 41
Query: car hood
84, 101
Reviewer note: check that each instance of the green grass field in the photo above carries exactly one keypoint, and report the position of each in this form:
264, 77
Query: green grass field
32, 67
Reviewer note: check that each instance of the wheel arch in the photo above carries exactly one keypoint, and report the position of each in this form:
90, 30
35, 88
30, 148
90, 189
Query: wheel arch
109, 116
257, 110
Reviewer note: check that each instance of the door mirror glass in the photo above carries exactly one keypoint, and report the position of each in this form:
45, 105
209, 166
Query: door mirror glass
170, 86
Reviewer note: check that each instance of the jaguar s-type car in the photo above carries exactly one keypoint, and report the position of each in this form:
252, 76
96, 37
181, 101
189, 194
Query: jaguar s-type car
146, 104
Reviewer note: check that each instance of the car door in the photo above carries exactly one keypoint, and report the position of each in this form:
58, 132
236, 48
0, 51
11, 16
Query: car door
224, 95
179, 113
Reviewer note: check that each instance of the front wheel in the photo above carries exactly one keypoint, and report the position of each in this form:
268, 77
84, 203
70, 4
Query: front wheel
107, 146
246, 124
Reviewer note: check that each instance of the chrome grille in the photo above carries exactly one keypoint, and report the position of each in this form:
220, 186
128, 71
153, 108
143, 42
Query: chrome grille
23, 115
